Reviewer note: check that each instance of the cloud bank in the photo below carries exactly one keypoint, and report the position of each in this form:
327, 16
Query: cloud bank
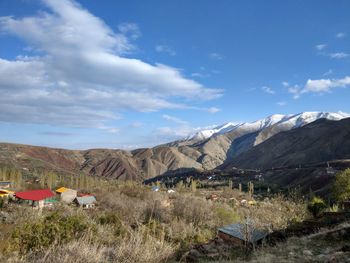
79, 74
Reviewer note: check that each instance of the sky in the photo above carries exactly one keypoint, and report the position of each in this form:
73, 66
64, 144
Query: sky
82, 74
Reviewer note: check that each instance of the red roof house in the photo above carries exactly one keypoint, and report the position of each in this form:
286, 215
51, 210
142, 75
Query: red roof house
35, 195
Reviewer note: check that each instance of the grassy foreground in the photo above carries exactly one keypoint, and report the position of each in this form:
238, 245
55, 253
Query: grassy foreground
133, 224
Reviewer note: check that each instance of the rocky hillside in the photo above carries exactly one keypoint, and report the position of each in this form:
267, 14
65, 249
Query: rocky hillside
319, 141
224, 146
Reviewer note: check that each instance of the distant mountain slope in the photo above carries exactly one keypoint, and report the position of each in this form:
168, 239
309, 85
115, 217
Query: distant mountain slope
226, 144
318, 141
223, 147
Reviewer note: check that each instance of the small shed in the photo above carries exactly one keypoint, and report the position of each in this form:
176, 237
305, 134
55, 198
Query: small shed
36, 198
87, 201
5, 184
242, 235
66, 195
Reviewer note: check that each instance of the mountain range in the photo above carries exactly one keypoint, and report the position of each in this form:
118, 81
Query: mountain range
273, 141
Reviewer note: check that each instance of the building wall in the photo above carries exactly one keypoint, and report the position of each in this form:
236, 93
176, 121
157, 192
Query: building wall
232, 240
68, 196
41, 203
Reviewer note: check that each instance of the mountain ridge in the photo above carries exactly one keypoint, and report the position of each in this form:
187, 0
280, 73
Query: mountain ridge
216, 151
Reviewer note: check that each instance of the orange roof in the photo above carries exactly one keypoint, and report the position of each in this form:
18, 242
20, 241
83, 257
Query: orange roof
61, 190
7, 191
4, 192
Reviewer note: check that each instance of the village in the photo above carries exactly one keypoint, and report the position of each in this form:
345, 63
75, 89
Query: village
238, 219
45, 197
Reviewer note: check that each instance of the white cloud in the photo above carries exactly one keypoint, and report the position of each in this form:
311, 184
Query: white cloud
325, 85
200, 75
170, 133
338, 55
340, 35
295, 90
319, 86
327, 73
285, 84
213, 110
268, 90
80, 75
135, 124
281, 103
216, 56
165, 49
320, 47
130, 29
109, 128
174, 119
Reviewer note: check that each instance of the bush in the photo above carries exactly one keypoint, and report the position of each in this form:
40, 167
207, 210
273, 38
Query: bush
193, 210
316, 206
52, 229
226, 215
341, 186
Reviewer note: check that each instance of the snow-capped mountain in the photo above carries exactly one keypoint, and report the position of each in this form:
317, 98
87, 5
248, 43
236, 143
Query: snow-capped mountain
283, 121
208, 132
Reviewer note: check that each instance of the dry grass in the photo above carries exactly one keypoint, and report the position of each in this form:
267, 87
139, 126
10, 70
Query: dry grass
134, 224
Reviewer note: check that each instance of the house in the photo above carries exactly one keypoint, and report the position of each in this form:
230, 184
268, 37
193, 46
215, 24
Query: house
36, 198
86, 201
155, 188
5, 184
6, 193
242, 235
66, 195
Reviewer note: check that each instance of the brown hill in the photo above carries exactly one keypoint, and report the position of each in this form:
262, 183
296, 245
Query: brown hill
243, 147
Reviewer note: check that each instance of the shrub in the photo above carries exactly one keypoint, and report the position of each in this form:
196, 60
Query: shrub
52, 229
226, 215
193, 210
341, 186
316, 206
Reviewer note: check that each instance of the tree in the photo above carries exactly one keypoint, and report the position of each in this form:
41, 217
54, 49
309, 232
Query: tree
316, 205
193, 185
341, 186
250, 189
230, 184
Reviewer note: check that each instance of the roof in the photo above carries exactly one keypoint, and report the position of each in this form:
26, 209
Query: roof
3, 182
35, 195
4, 191
82, 194
86, 200
155, 188
237, 231
61, 190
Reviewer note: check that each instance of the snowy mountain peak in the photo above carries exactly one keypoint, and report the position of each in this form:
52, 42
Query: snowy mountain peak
291, 121
208, 132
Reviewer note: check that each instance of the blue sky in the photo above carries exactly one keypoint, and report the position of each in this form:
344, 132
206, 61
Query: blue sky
127, 74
